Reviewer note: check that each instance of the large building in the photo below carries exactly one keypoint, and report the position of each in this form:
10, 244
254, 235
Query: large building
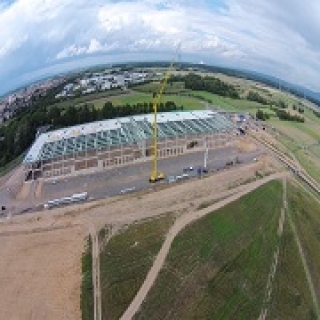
111, 143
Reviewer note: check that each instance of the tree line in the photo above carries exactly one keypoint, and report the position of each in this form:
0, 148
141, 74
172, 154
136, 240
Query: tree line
18, 134
210, 84
255, 96
281, 114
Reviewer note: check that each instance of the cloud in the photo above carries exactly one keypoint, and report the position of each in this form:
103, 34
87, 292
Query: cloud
280, 38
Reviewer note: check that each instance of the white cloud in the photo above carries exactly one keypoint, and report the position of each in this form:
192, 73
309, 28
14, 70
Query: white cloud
276, 37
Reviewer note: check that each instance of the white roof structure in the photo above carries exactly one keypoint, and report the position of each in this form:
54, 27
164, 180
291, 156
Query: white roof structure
127, 130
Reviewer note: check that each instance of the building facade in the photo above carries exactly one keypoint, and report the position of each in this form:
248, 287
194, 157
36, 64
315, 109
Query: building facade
118, 142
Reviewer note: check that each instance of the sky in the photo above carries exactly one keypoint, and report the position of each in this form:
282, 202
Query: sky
44, 37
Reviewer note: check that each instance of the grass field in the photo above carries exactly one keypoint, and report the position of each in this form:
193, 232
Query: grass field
305, 211
291, 298
230, 104
125, 262
90, 98
302, 139
218, 267
174, 87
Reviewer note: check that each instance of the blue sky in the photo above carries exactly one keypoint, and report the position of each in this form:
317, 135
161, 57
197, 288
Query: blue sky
44, 37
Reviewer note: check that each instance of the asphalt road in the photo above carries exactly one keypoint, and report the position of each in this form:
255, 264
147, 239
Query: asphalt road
135, 177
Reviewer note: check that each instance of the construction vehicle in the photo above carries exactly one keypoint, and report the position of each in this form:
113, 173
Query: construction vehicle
156, 175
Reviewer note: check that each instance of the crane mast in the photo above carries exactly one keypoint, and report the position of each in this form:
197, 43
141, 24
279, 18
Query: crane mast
156, 175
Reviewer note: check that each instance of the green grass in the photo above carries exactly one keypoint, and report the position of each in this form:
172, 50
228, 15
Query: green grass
308, 160
218, 267
87, 296
291, 297
125, 262
89, 98
174, 87
315, 150
295, 138
306, 214
230, 104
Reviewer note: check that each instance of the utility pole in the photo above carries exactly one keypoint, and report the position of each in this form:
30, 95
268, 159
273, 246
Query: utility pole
205, 160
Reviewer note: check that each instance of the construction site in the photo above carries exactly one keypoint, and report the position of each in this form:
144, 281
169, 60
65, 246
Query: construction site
109, 256
125, 141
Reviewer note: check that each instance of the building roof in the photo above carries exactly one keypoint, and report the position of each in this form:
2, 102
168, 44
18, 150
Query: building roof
127, 130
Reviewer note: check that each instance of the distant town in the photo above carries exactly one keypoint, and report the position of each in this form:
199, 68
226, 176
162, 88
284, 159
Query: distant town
23, 98
84, 84
102, 81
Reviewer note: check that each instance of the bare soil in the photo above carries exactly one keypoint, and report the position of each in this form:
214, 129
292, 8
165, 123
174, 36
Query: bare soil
41, 275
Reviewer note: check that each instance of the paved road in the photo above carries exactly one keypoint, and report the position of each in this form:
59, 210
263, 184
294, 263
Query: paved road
181, 223
135, 177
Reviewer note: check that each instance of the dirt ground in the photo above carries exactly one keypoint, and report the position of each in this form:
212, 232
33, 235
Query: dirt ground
41, 252
41, 275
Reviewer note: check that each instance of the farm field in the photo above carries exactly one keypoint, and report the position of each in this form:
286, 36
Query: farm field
125, 261
218, 267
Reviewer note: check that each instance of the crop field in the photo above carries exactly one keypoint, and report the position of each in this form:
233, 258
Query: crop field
218, 267
125, 262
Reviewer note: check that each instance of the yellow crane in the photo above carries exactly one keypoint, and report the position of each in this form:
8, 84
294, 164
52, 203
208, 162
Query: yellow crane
156, 175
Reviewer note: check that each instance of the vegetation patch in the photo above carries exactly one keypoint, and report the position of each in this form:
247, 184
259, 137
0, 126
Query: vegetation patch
87, 294
126, 260
218, 267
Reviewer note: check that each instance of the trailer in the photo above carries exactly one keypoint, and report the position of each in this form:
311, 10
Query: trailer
76, 197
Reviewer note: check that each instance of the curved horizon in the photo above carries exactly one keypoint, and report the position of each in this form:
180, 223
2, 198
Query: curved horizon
42, 38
